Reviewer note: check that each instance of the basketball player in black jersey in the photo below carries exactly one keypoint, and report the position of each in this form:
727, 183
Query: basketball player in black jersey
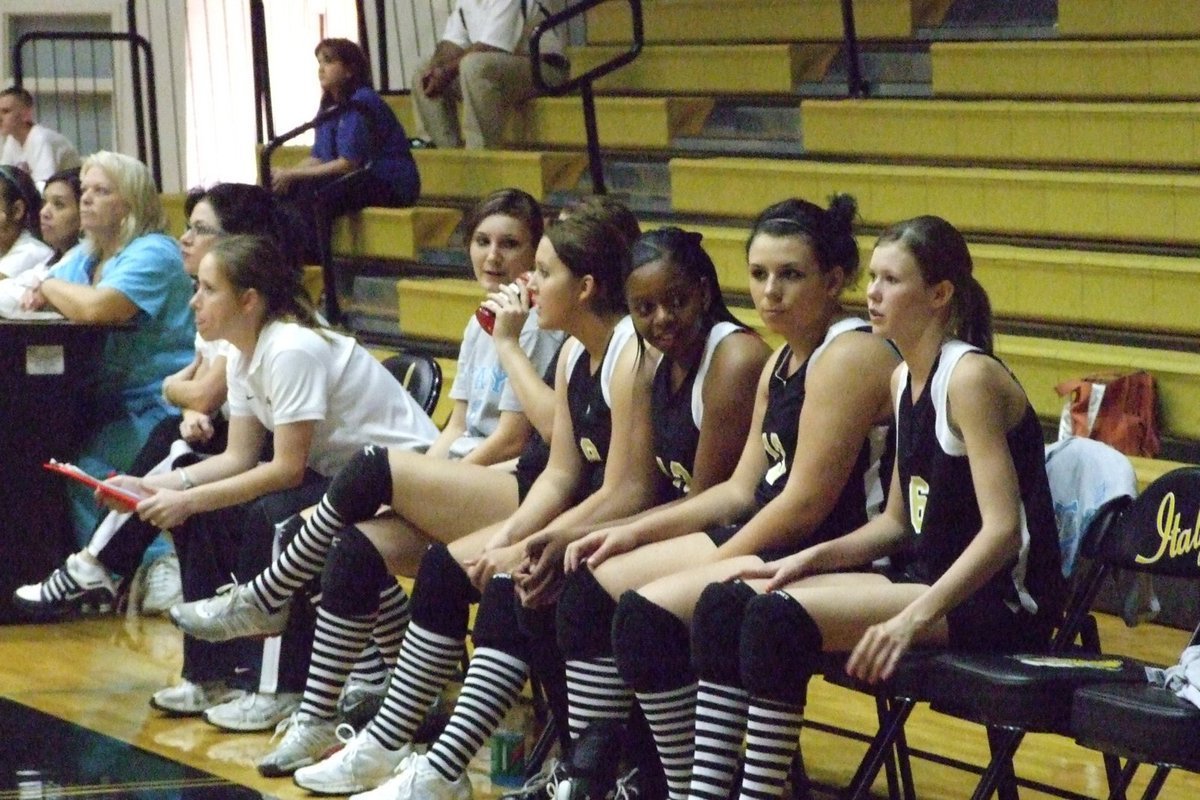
969, 507
803, 472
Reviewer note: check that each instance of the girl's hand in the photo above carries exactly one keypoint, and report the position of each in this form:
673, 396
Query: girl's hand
33, 299
195, 428
498, 540
598, 546
282, 180
875, 656
492, 562
781, 572
165, 509
126, 482
539, 577
511, 307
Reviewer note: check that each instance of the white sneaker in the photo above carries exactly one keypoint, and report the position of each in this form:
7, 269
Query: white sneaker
157, 586
418, 780
362, 764
78, 585
253, 711
230, 614
187, 699
306, 740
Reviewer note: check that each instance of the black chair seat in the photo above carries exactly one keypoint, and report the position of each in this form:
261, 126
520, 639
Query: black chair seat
1029, 691
908, 681
1140, 721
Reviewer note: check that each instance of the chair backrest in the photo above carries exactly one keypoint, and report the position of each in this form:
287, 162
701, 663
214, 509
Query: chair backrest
1160, 533
420, 374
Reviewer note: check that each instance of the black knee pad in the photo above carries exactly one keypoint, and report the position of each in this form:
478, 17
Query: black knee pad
780, 648
496, 622
442, 594
584, 619
650, 645
362, 486
354, 575
716, 631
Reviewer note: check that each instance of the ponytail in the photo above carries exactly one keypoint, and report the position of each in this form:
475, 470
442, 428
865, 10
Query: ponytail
971, 318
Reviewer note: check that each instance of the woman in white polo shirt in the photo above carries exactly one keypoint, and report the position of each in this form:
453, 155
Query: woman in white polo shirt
318, 394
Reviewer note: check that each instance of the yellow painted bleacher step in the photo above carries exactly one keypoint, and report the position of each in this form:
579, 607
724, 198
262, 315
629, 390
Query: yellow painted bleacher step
1148, 19
1139, 70
709, 69
703, 21
1132, 291
436, 308
471, 174
393, 233
624, 122
1155, 134
1092, 205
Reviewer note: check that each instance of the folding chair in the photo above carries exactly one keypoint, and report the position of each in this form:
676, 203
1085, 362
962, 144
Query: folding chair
1139, 721
420, 374
1010, 694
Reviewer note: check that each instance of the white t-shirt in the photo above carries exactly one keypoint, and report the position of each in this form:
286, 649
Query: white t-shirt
44, 153
500, 23
297, 374
26, 253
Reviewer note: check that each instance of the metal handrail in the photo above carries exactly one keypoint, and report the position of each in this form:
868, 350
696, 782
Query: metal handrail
584, 82
856, 84
154, 162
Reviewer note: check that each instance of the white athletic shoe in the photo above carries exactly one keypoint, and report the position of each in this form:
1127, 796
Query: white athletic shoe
418, 780
77, 586
156, 587
306, 740
362, 764
230, 614
187, 699
253, 711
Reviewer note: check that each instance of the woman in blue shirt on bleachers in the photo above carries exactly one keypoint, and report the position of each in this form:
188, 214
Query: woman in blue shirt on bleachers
360, 158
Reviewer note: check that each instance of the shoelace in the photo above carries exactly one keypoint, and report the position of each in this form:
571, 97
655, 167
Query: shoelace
227, 592
626, 789
546, 780
284, 725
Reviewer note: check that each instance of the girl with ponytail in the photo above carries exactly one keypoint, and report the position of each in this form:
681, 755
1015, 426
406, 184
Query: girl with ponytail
969, 508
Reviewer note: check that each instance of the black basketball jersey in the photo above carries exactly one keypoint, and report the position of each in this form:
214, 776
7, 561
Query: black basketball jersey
862, 493
677, 416
590, 406
942, 510
536, 452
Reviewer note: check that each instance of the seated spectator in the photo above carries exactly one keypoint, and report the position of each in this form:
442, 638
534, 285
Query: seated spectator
483, 63
60, 213
127, 273
21, 249
360, 158
34, 148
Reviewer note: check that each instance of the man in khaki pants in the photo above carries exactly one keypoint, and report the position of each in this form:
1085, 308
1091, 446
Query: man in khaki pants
483, 62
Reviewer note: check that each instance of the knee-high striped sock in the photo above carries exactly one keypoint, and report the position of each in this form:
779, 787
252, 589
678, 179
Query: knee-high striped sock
394, 616
595, 691
302, 559
426, 663
720, 729
671, 715
493, 681
337, 645
370, 667
771, 739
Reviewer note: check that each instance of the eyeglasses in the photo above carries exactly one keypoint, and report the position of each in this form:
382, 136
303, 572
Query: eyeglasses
201, 229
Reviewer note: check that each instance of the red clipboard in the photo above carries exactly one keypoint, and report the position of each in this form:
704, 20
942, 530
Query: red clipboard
123, 497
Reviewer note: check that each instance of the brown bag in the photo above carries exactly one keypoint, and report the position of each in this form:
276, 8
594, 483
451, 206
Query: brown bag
1118, 409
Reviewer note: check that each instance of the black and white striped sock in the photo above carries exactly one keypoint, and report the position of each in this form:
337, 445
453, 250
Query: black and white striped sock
302, 559
772, 734
595, 691
491, 686
671, 715
426, 663
337, 646
720, 729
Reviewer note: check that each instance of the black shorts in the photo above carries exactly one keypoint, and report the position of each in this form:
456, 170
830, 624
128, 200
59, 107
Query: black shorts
723, 534
984, 622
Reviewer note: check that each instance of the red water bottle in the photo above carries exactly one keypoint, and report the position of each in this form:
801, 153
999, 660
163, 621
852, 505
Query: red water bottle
487, 317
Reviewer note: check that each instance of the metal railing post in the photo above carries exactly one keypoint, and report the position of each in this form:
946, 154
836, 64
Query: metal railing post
856, 85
